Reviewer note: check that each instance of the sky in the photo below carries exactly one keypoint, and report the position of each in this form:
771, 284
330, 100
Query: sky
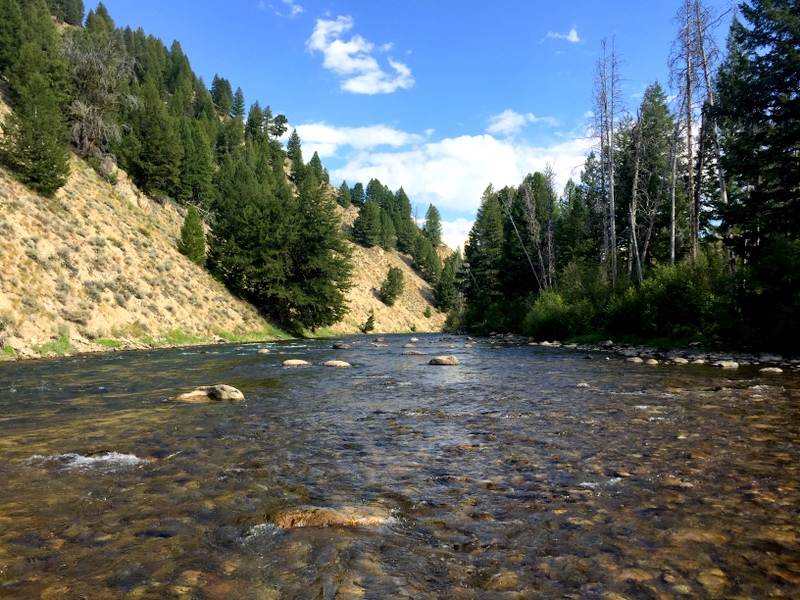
439, 97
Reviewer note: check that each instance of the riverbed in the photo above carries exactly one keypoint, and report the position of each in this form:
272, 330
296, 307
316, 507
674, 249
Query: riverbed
523, 472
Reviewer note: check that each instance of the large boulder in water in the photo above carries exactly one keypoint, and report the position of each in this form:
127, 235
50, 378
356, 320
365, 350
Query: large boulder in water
205, 393
338, 364
315, 516
444, 361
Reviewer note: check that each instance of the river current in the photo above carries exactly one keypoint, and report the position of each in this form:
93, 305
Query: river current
497, 478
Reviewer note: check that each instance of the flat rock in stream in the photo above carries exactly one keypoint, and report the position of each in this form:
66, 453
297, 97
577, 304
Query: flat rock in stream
414, 353
444, 361
341, 346
296, 362
337, 364
727, 364
316, 516
207, 393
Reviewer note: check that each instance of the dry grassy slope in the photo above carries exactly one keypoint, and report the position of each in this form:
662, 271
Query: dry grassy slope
99, 262
370, 267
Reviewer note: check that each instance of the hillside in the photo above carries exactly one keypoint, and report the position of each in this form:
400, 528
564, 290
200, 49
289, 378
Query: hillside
97, 268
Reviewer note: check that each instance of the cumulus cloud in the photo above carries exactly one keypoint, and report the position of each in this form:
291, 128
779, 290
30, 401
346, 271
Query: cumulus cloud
353, 59
572, 36
327, 140
455, 233
454, 172
509, 123
292, 6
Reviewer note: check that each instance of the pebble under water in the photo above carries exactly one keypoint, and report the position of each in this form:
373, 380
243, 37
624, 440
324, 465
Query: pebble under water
497, 478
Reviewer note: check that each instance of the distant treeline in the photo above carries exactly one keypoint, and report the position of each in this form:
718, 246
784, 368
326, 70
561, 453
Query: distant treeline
684, 224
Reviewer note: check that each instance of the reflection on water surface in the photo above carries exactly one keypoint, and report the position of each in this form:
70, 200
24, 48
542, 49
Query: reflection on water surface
499, 478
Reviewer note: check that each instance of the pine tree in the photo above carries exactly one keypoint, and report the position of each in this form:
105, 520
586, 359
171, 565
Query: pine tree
433, 226
34, 145
484, 251
392, 287
357, 195
294, 152
446, 289
157, 162
388, 237
426, 260
315, 167
403, 223
222, 94
367, 226
343, 197
237, 107
193, 238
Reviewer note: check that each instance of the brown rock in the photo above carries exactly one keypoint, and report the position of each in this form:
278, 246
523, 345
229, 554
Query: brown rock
444, 360
314, 516
205, 393
296, 362
338, 364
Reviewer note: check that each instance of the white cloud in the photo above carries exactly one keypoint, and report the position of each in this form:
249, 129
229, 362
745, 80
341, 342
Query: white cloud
453, 173
572, 36
509, 123
455, 233
327, 140
353, 61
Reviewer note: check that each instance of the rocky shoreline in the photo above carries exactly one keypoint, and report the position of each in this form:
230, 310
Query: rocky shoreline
693, 354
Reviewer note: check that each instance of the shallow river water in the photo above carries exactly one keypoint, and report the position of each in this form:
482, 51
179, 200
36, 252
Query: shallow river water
498, 478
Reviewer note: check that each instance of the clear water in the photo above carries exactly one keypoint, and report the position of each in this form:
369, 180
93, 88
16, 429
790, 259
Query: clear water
498, 478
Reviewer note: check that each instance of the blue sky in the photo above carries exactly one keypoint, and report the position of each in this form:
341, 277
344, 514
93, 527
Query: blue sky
441, 97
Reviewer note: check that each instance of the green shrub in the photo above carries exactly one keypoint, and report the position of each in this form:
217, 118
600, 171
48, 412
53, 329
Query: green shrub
551, 318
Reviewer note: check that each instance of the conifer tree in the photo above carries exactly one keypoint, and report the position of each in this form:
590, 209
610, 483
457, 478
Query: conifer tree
403, 224
392, 287
237, 108
367, 226
388, 237
193, 238
315, 167
34, 144
357, 195
343, 198
222, 94
447, 287
433, 226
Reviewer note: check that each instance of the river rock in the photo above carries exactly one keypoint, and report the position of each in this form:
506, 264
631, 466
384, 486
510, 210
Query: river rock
583, 384
338, 364
444, 360
651, 362
296, 362
414, 353
205, 393
409, 346
263, 351
341, 346
315, 516
380, 340
679, 360
413, 340
634, 359
726, 364
771, 370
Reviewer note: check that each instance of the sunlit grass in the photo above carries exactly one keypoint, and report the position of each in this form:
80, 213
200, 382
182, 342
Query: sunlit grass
60, 347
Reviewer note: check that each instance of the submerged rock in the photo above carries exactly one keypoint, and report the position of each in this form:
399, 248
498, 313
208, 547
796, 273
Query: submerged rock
316, 516
727, 364
341, 346
206, 393
296, 362
414, 353
444, 360
338, 364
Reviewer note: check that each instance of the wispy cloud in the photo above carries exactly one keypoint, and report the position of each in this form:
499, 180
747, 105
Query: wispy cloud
292, 6
353, 59
509, 123
572, 36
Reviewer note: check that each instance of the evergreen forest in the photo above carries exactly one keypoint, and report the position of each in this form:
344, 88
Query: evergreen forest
684, 224
259, 218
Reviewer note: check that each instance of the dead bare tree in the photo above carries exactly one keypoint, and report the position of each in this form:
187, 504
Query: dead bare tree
607, 107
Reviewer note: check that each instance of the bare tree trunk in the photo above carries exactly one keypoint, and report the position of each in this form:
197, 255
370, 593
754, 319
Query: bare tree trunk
606, 106
672, 196
637, 143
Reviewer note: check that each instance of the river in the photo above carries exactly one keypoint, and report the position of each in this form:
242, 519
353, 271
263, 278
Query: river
498, 478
